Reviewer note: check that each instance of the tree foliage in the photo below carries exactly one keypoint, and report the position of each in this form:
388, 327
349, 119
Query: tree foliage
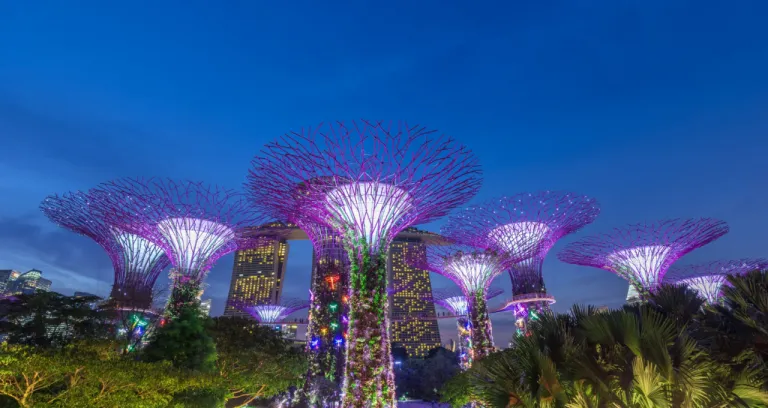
671, 352
184, 342
49, 319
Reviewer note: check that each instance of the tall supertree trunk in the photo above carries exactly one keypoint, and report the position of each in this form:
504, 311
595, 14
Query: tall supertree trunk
369, 380
482, 337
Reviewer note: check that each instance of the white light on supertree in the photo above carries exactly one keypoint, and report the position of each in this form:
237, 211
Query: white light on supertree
140, 253
368, 208
642, 253
640, 264
194, 241
708, 287
517, 236
708, 279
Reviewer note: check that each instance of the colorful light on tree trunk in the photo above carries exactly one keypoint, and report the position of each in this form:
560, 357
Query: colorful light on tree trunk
367, 181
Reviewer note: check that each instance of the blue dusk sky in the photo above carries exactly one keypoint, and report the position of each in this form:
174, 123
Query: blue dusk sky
656, 108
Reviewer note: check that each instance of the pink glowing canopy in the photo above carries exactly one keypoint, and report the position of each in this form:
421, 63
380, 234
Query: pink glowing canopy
707, 279
642, 253
194, 223
137, 262
366, 180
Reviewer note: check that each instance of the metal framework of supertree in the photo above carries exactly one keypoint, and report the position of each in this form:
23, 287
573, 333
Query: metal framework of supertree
456, 303
642, 253
472, 269
195, 224
707, 279
535, 219
273, 313
367, 181
136, 261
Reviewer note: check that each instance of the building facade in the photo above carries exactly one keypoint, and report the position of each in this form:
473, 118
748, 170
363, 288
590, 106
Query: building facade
7, 276
257, 276
28, 283
205, 307
417, 335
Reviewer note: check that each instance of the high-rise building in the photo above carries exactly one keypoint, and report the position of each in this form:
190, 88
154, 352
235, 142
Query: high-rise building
205, 307
417, 335
6, 277
29, 282
257, 276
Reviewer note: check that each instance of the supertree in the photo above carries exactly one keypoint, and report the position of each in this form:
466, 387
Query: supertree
472, 269
195, 224
273, 314
137, 262
456, 303
537, 219
367, 181
707, 279
642, 253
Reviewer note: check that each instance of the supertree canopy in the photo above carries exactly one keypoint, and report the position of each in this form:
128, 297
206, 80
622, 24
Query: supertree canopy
368, 181
707, 279
522, 221
273, 313
473, 270
642, 253
193, 223
456, 303
136, 261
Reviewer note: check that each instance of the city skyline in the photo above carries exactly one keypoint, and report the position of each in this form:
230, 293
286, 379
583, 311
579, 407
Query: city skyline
548, 98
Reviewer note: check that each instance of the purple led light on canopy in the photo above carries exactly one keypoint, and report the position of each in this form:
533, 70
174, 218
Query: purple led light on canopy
137, 262
519, 222
642, 253
708, 279
193, 223
368, 181
472, 269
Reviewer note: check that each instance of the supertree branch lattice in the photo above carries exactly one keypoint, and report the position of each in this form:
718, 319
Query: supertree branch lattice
194, 223
537, 219
368, 181
273, 313
137, 262
708, 279
456, 303
472, 270
642, 253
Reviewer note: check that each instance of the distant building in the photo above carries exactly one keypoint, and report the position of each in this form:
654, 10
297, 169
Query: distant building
289, 330
6, 277
205, 307
86, 294
417, 335
257, 276
602, 309
29, 282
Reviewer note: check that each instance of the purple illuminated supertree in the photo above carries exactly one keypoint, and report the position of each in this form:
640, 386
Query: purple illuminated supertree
273, 314
708, 279
456, 303
367, 181
193, 223
642, 253
473, 270
136, 261
538, 220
